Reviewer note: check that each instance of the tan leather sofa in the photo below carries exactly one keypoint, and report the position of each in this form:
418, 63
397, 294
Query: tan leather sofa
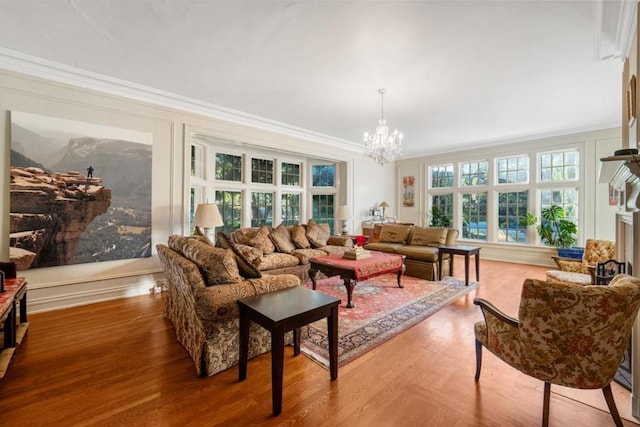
419, 245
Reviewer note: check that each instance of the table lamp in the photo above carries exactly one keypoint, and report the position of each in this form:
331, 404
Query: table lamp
384, 206
208, 218
344, 214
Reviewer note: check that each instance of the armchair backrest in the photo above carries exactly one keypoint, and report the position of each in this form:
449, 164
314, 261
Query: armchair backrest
596, 251
576, 335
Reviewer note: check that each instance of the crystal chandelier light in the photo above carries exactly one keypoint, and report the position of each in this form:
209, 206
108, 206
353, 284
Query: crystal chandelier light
383, 147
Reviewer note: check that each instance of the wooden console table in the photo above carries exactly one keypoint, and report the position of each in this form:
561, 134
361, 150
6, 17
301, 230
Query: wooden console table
15, 293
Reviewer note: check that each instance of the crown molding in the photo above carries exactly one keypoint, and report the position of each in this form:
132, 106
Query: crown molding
614, 28
49, 70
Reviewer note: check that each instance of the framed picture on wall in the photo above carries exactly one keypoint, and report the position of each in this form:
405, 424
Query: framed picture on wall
631, 101
408, 199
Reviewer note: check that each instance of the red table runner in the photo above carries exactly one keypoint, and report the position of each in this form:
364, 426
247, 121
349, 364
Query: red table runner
379, 263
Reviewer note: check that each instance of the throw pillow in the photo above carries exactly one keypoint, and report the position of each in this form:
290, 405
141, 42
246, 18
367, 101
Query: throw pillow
218, 265
282, 239
394, 233
245, 266
429, 236
316, 235
299, 237
262, 241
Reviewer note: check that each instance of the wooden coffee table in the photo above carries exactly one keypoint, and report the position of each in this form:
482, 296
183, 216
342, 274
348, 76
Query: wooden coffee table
354, 271
282, 311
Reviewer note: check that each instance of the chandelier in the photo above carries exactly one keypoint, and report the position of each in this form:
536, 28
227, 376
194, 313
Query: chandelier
383, 147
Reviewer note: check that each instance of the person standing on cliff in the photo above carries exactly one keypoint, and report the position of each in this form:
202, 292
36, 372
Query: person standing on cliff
90, 172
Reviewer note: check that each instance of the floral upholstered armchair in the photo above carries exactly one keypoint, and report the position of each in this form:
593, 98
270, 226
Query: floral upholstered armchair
582, 271
574, 336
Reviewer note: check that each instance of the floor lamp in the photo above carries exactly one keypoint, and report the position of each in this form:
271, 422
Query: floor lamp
344, 214
208, 218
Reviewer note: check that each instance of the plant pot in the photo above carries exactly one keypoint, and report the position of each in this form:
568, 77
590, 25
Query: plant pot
574, 252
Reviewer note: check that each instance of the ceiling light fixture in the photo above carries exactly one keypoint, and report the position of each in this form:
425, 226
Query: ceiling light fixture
383, 147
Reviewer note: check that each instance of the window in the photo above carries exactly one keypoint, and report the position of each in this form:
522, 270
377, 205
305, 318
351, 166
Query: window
262, 171
230, 207
444, 204
474, 214
322, 209
513, 170
473, 173
512, 210
197, 160
290, 208
228, 167
291, 174
261, 209
195, 199
442, 176
559, 166
567, 198
323, 175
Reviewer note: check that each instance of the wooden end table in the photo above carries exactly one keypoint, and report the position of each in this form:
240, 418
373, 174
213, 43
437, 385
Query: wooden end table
459, 250
352, 271
282, 311
15, 293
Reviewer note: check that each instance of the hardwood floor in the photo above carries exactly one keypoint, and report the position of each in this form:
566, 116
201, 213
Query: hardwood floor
118, 364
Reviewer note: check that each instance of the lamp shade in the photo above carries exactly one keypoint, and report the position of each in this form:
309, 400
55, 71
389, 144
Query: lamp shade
384, 204
343, 213
208, 216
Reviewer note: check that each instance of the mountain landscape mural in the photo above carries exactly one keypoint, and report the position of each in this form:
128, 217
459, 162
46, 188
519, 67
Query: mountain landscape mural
59, 212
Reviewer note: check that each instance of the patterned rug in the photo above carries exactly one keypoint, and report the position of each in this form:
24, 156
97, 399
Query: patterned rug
382, 310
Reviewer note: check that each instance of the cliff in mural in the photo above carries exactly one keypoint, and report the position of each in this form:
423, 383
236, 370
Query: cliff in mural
49, 213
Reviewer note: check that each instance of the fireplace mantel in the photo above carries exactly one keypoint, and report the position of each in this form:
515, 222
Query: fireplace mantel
623, 173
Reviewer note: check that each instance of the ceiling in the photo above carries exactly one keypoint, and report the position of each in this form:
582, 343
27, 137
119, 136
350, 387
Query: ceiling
457, 74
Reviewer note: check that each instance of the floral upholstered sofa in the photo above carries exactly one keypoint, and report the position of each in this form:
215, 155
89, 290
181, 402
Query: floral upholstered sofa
283, 249
582, 271
204, 282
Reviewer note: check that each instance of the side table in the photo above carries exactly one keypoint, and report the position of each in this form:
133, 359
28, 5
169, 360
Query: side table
15, 293
282, 311
459, 250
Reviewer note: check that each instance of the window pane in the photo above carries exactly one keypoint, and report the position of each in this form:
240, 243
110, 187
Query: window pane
512, 209
290, 209
513, 170
228, 167
196, 161
261, 209
196, 197
290, 174
262, 171
322, 209
473, 173
442, 204
560, 166
230, 206
567, 198
442, 176
323, 175
474, 216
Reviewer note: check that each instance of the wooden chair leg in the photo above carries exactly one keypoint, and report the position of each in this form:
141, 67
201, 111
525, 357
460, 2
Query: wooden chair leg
478, 359
608, 396
545, 404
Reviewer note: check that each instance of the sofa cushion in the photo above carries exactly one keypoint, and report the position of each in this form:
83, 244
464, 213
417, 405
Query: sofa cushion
394, 233
262, 241
299, 237
419, 253
276, 260
383, 246
317, 234
281, 238
245, 264
429, 236
218, 265
305, 254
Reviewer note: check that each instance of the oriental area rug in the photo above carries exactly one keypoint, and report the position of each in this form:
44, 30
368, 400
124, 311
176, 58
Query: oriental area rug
382, 310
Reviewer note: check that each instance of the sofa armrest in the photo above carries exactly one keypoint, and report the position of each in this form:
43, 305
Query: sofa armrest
340, 241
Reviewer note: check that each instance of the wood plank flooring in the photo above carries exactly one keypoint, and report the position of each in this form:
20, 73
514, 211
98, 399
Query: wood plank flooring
118, 364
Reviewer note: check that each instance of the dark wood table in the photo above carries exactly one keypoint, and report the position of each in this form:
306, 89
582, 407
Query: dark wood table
465, 250
282, 311
351, 271
15, 293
